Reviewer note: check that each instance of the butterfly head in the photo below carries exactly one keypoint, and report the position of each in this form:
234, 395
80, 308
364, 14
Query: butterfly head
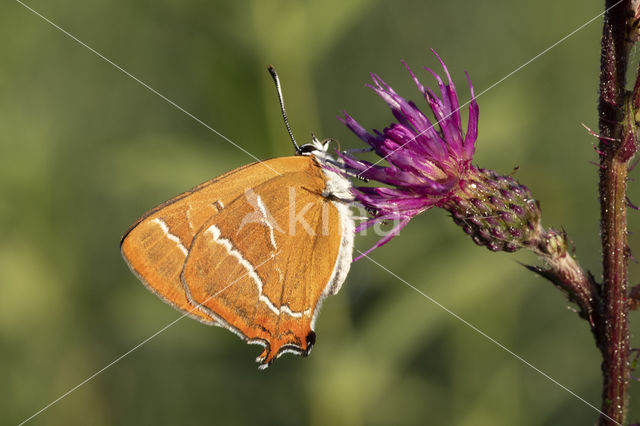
316, 146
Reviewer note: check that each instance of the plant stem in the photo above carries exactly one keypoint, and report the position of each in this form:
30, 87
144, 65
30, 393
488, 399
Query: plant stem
613, 329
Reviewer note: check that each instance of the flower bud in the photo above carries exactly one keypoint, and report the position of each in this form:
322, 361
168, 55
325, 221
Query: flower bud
496, 211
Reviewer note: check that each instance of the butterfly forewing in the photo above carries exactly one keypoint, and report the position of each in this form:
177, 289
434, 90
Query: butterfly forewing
156, 246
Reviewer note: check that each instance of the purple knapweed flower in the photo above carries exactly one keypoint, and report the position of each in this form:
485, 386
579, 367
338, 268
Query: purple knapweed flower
429, 165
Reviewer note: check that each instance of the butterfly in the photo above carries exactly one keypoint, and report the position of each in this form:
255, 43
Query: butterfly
255, 250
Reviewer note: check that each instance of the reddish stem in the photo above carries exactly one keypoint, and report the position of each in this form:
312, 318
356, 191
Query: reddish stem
613, 329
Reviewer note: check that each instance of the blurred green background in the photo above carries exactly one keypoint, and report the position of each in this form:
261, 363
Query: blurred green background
86, 150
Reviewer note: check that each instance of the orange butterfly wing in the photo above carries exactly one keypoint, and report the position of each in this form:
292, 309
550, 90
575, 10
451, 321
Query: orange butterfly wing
264, 278
155, 247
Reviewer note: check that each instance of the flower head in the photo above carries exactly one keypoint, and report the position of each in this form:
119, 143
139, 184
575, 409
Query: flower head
429, 165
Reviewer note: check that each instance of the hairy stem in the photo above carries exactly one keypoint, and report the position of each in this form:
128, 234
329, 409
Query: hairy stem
615, 129
566, 273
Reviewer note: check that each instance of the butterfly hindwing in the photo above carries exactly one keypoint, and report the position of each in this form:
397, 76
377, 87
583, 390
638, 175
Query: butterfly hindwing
265, 277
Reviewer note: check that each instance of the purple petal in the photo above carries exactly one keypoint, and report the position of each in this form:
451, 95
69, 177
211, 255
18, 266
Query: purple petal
472, 125
360, 131
446, 117
452, 97
388, 175
389, 200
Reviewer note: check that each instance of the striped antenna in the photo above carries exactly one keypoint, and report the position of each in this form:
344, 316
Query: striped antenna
276, 80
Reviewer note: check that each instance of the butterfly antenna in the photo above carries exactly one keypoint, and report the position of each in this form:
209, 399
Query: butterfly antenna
276, 80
